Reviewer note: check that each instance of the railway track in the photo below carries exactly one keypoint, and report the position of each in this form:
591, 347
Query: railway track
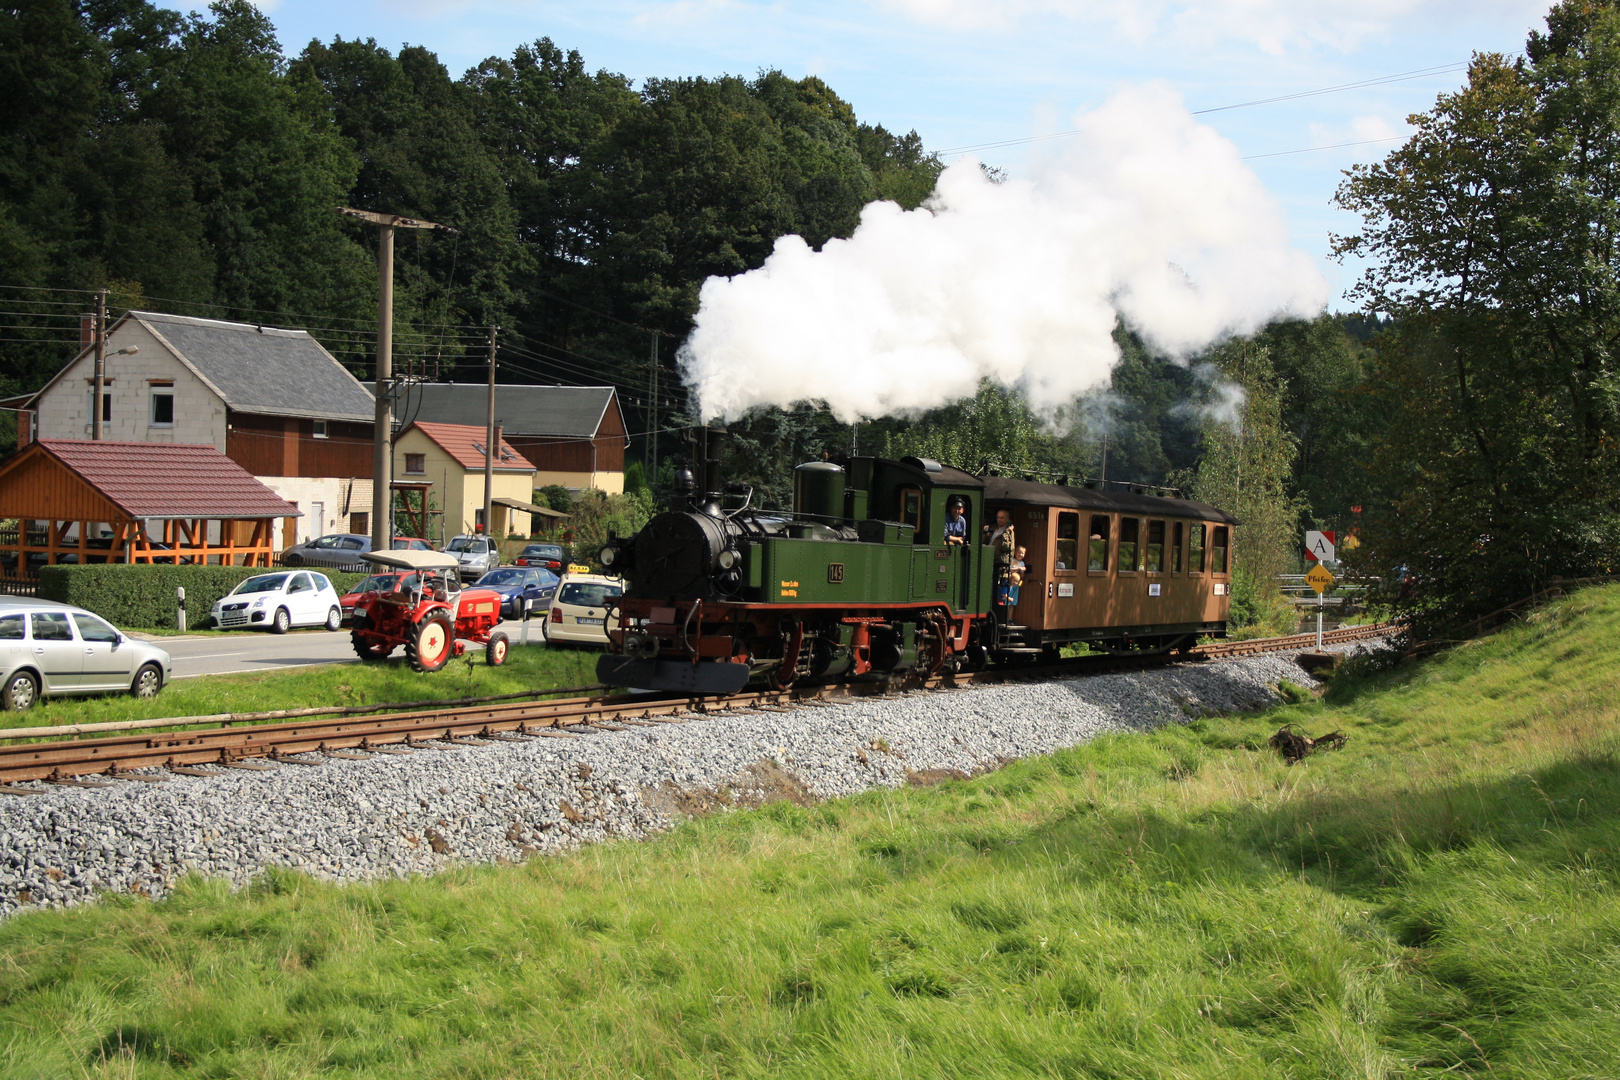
148, 758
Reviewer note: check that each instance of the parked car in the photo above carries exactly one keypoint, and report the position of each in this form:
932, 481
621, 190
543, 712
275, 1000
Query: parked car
280, 601
579, 610
515, 584
411, 543
476, 554
551, 556
339, 551
50, 649
393, 581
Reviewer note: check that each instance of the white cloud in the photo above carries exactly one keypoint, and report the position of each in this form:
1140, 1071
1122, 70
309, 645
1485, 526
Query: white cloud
1147, 216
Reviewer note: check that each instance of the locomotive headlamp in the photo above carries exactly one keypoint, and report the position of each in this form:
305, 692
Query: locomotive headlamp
608, 556
728, 558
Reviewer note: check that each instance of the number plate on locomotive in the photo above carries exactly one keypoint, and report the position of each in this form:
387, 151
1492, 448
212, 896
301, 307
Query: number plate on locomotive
835, 572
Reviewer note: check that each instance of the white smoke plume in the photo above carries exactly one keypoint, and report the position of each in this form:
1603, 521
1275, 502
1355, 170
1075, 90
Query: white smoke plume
1148, 216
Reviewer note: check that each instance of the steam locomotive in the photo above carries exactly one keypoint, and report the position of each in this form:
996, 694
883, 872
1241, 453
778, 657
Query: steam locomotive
858, 581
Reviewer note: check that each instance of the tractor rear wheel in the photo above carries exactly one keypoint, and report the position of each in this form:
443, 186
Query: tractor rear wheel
430, 644
495, 652
369, 648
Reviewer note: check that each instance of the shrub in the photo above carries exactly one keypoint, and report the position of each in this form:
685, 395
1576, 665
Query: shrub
143, 596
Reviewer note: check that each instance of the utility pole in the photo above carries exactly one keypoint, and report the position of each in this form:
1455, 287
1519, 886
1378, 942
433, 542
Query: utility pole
492, 445
100, 381
382, 463
652, 434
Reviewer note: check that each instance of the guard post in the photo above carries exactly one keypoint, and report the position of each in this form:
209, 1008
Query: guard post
180, 608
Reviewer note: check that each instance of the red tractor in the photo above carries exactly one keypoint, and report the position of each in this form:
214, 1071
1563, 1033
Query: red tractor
428, 612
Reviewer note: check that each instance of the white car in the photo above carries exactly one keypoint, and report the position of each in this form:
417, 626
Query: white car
280, 601
579, 610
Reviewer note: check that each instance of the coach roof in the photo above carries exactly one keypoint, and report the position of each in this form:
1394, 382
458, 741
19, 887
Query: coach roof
1007, 490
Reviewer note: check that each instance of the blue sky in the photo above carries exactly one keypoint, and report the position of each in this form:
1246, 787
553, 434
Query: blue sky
964, 73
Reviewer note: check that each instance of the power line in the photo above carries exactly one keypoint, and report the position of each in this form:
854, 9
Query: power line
1334, 146
1404, 76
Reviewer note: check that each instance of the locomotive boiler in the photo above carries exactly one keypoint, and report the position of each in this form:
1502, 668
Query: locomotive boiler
859, 580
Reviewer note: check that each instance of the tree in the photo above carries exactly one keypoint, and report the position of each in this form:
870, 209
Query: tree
1493, 238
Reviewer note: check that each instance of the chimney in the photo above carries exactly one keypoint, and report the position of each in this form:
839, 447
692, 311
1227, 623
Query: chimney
87, 329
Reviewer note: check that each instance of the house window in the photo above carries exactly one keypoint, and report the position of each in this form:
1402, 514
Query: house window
162, 408
90, 408
320, 429
416, 464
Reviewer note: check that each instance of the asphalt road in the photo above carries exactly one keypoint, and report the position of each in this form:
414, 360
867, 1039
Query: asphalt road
257, 650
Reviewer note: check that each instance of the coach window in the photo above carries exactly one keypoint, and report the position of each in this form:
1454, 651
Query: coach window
1217, 549
1177, 531
1129, 530
1067, 555
1097, 563
1155, 547
911, 507
1195, 550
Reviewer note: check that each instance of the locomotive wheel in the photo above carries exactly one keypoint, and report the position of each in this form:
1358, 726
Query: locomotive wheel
495, 652
368, 648
430, 646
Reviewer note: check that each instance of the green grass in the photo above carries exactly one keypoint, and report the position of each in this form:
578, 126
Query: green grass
534, 667
1438, 899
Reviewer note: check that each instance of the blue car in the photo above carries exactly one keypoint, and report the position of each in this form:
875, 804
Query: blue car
515, 583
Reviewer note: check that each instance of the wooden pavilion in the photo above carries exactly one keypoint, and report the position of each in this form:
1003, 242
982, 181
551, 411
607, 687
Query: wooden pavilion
81, 501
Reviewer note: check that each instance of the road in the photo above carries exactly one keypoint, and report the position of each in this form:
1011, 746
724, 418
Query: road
255, 650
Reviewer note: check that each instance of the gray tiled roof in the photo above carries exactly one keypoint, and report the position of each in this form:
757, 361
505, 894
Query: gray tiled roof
520, 410
263, 370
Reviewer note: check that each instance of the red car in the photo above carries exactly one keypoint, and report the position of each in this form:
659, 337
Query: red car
392, 581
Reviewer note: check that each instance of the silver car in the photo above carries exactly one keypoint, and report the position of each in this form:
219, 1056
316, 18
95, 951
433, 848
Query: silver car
49, 649
476, 554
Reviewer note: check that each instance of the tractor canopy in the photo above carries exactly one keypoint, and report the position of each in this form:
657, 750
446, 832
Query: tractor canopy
413, 560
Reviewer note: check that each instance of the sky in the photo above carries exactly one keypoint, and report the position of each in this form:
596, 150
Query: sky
965, 73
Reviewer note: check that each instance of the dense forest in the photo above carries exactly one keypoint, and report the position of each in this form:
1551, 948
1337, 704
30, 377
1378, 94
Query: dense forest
1465, 425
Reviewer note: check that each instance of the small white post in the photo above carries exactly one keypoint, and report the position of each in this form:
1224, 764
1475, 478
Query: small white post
1321, 602
180, 609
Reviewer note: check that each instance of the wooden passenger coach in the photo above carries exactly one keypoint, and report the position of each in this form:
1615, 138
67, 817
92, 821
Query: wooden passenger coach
1109, 563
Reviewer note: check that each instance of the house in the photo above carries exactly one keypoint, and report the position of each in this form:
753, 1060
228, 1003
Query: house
80, 501
274, 401
448, 461
574, 436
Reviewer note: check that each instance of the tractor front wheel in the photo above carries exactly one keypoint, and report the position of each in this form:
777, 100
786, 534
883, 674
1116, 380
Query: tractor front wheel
495, 652
431, 644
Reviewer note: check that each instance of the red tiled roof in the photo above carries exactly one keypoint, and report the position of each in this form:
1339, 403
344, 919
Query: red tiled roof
465, 443
166, 480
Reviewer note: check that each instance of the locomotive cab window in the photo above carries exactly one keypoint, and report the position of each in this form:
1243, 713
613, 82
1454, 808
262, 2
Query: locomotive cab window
1129, 529
1067, 551
1177, 531
1195, 550
1155, 547
911, 509
1217, 549
1097, 557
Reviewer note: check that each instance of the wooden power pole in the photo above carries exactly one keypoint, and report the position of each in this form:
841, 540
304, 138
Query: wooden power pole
382, 463
492, 445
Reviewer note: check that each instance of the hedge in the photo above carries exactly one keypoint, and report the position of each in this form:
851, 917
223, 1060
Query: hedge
142, 596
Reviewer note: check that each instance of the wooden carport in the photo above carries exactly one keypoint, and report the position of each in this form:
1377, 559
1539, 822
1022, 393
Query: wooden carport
134, 502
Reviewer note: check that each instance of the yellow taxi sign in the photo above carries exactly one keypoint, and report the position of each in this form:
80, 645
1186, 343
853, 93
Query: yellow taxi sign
1319, 579
576, 568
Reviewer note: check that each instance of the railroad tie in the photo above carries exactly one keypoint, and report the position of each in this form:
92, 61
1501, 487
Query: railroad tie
8, 789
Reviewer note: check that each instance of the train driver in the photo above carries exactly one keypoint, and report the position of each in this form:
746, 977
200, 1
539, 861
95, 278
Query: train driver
955, 523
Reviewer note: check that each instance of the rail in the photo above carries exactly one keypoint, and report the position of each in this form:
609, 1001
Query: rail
100, 762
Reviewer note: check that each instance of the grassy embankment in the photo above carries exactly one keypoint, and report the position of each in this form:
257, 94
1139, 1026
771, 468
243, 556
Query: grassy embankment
534, 668
1437, 899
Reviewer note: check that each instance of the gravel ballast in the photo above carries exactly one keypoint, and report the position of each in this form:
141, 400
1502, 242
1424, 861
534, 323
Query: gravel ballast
397, 815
